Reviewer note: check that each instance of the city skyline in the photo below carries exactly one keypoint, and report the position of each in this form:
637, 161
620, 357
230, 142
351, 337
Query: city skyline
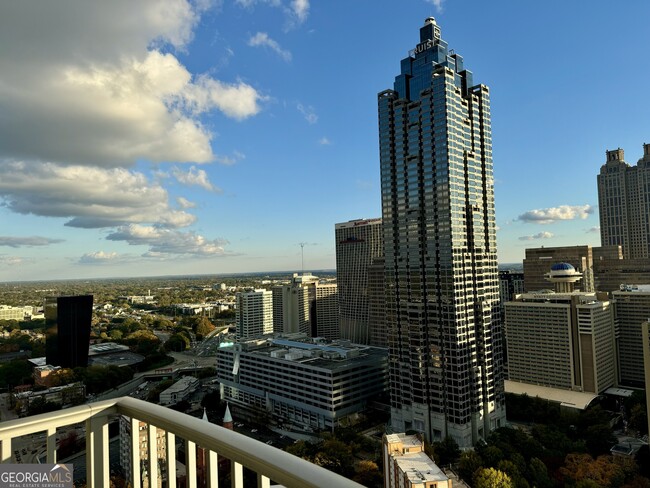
171, 144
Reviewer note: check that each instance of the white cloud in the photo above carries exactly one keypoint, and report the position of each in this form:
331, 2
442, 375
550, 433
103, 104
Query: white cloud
308, 113
301, 9
99, 257
594, 230
185, 203
167, 242
263, 39
437, 4
553, 214
32, 241
89, 197
12, 260
194, 177
324, 141
89, 86
541, 235
230, 160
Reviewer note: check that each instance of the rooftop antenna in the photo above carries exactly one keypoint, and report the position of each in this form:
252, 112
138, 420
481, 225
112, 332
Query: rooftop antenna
302, 257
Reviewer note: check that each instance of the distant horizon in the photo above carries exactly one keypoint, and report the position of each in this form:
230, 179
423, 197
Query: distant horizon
202, 275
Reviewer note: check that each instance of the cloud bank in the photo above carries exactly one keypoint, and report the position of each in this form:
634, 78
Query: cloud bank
541, 235
553, 214
91, 91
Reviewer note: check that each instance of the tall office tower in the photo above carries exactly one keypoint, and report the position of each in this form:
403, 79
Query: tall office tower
306, 306
67, 322
378, 335
539, 260
254, 313
511, 283
442, 297
632, 309
324, 313
624, 203
564, 339
358, 242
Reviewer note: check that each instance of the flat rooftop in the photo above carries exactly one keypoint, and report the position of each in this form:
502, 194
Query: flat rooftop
327, 355
566, 398
420, 468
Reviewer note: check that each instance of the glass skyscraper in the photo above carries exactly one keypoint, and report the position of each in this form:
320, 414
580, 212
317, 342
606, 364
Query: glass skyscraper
442, 307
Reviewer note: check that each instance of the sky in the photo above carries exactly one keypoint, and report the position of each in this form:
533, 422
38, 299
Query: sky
158, 138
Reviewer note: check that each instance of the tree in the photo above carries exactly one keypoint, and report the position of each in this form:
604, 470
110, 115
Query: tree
447, 450
639, 418
367, 474
176, 343
204, 326
470, 462
539, 474
492, 478
599, 439
604, 471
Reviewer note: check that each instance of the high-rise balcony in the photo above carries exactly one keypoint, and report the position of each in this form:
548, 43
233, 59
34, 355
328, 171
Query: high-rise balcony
217, 443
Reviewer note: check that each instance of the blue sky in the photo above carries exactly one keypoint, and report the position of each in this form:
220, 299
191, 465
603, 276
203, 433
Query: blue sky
152, 138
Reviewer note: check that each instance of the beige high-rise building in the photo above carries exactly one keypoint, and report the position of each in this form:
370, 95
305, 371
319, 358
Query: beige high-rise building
632, 309
624, 203
254, 313
306, 305
564, 339
358, 242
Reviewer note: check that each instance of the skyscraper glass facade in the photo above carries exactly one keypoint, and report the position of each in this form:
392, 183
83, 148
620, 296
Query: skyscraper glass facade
442, 296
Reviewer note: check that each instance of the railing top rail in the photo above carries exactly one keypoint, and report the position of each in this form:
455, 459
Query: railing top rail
273, 463
58, 418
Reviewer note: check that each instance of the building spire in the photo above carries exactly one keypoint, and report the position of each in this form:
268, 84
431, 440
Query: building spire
227, 418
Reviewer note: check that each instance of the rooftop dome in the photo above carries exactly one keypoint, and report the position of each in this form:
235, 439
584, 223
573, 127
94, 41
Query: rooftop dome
562, 267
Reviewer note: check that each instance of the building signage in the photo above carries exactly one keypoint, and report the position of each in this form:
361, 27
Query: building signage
423, 46
36, 475
428, 44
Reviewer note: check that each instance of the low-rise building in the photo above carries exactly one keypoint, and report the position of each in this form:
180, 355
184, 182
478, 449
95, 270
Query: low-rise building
72, 394
179, 391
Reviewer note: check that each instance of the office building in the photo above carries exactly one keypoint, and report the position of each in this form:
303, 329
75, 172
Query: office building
624, 203
303, 381
406, 465
603, 268
307, 306
254, 313
562, 339
67, 322
646, 364
442, 285
377, 330
511, 284
358, 242
611, 270
632, 309
539, 260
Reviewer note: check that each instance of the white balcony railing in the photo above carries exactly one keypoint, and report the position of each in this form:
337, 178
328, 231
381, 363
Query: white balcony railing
268, 462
